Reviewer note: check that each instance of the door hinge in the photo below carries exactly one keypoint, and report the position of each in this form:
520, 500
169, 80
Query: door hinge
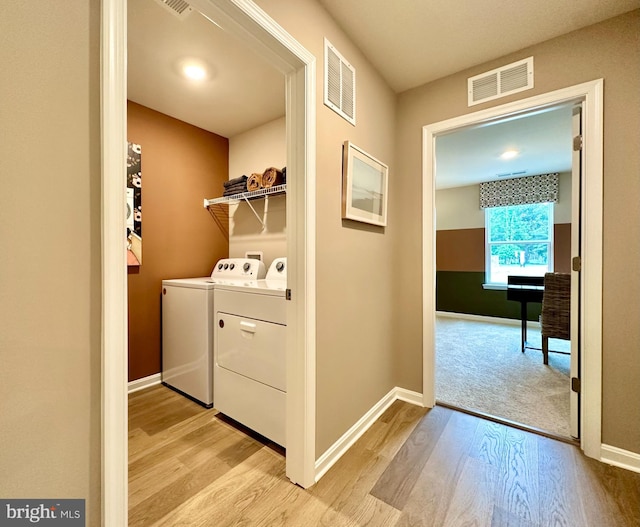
287, 294
575, 384
577, 143
576, 263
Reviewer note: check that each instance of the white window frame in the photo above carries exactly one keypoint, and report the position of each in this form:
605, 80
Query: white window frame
488, 243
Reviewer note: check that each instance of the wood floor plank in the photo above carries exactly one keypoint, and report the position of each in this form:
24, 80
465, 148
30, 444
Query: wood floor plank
502, 518
140, 446
153, 481
559, 502
171, 496
473, 498
429, 501
397, 481
201, 438
518, 491
222, 502
489, 443
609, 495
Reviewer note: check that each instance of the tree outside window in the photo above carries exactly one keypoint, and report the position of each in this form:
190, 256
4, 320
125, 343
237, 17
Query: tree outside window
519, 241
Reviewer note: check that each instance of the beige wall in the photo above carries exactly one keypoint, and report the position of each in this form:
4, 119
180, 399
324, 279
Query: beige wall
609, 50
50, 296
250, 152
356, 348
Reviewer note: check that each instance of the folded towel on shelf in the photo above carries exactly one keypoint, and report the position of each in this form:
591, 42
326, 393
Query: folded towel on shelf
272, 177
235, 181
235, 189
254, 182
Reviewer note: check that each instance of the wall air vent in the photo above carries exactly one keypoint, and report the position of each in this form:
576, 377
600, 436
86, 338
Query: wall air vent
339, 83
178, 8
512, 174
501, 82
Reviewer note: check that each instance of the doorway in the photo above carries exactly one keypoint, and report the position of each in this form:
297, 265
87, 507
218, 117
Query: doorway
244, 20
590, 304
503, 207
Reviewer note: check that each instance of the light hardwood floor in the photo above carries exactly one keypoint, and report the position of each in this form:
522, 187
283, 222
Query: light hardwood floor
414, 467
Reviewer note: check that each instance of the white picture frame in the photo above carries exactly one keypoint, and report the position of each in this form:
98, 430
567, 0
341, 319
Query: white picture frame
364, 186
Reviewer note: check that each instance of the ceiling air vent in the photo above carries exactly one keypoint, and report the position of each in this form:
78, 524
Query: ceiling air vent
339, 83
501, 82
179, 8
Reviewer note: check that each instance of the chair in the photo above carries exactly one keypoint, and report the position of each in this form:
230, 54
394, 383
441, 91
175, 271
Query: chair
556, 310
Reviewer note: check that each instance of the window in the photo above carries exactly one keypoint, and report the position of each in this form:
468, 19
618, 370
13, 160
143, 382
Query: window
519, 241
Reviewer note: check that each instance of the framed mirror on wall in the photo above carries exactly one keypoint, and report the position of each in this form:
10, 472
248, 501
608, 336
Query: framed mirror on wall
134, 204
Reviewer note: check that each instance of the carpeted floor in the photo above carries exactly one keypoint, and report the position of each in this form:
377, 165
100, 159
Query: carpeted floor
479, 366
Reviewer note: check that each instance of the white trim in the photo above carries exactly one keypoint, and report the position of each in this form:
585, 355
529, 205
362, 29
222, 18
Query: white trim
145, 382
484, 318
114, 264
340, 447
591, 305
620, 458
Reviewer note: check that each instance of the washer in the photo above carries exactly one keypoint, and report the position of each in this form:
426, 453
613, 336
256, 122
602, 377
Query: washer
250, 352
187, 326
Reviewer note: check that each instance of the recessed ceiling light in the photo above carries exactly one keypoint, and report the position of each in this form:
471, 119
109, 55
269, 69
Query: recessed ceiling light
509, 154
194, 72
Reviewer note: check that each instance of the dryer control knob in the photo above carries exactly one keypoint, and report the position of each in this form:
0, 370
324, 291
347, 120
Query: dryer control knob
246, 267
280, 267
226, 266
220, 266
232, 266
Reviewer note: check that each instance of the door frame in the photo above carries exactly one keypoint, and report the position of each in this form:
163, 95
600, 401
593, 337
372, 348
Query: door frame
247, 21
591, 93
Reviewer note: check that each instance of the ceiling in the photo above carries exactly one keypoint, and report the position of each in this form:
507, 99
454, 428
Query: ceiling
242, 91
412, 42
542, 140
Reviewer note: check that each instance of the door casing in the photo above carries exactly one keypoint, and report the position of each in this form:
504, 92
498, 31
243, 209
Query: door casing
590, 303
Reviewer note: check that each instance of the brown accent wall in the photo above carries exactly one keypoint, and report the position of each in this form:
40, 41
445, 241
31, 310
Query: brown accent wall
562, 247
464, 249
181, 165
460, 250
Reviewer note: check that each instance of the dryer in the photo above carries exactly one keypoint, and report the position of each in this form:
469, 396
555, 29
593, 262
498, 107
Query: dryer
250, 352
187, 326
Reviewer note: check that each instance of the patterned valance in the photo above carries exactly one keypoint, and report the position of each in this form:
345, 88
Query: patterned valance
519, 191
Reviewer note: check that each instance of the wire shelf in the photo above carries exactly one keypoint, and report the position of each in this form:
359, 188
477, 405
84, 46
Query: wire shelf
260, 193
219, 207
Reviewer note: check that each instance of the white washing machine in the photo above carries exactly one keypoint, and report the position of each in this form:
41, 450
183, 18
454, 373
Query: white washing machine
250, 352
187, 326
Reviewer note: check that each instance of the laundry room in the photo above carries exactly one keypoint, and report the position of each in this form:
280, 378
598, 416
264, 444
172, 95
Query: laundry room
198, 147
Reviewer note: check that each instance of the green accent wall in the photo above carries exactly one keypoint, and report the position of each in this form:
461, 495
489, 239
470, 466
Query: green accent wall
462, 292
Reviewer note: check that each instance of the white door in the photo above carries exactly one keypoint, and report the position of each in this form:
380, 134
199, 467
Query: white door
576, 237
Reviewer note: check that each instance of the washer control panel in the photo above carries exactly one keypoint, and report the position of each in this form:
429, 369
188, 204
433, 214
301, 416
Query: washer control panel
278, 269
238, 269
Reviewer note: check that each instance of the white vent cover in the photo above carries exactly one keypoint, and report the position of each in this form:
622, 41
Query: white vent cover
339, 83
179, 8
501, 82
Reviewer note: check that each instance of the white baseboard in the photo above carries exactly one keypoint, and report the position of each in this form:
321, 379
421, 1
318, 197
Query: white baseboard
145, 382
340, 447
485, 318
620, 458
